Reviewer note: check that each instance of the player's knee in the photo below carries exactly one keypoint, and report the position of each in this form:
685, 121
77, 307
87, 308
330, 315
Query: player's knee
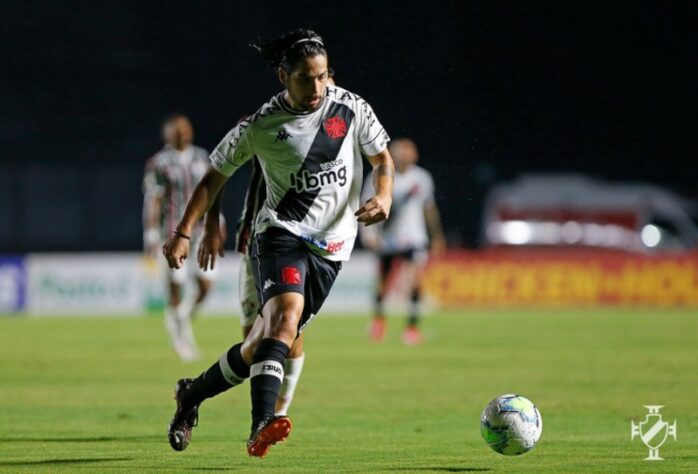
288, 318
204, 288
286, 324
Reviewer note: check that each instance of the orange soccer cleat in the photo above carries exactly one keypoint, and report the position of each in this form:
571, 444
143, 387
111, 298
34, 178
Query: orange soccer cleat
266, 433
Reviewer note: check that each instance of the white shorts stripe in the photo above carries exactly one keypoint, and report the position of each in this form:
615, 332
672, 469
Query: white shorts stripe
268, 367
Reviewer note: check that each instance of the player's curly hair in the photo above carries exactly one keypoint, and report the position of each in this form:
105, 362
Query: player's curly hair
285, 51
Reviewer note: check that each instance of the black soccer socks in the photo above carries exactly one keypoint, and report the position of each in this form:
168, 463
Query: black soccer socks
229, 371
267, 373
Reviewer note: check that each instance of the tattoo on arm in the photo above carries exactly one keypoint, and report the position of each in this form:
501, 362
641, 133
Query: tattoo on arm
383, 170
380, 171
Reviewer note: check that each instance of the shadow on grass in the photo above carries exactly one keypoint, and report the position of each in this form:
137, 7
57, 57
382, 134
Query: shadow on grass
214, 469
49, 462
83, 439
442, 469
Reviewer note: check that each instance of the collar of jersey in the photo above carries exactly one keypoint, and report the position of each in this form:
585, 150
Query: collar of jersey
293, 111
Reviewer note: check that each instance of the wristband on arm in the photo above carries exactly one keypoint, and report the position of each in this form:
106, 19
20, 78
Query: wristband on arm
184, 236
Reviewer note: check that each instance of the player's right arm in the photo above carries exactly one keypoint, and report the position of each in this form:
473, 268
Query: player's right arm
176, 248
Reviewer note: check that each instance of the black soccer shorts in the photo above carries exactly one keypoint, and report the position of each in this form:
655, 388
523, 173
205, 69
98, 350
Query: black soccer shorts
283, 263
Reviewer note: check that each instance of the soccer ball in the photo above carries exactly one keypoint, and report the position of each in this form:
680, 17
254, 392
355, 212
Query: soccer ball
511, 425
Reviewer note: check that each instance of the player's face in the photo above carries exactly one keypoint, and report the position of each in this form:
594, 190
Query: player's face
305, 84
179, 133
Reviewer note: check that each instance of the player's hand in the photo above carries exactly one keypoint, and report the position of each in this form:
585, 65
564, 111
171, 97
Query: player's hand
176, 250
211, 245
375, 210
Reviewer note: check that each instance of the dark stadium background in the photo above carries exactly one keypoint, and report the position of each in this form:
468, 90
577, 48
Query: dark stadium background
487, 89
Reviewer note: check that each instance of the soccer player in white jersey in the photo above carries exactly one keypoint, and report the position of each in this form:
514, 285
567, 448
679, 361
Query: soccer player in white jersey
309, 140
212, 245
170, 178
414, 226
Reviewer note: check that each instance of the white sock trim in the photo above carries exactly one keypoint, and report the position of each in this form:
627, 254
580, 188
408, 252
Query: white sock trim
231, 377
267, 367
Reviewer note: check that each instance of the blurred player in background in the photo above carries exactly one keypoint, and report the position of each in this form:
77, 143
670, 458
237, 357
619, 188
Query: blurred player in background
414, 226
309, 141
170, 178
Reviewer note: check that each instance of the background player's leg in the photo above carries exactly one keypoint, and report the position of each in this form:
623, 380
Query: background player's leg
292, 372
378, 324
191, 304
186, 312
230, 370
174, 321
412, 335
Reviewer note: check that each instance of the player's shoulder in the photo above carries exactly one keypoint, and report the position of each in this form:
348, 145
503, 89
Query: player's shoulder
344, 96
421, 171
150, 163
200, 152
422, 175
266, 112
162, 158
245, 126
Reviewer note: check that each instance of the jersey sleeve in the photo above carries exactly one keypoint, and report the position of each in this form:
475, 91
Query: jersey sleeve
372, 136
428, 188
234, 150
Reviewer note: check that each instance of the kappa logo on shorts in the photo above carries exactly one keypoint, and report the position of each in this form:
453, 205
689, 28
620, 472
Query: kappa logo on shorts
290, 275
268, 284
335, 127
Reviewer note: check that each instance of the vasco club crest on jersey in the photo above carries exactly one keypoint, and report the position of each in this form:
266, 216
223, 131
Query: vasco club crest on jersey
335, 127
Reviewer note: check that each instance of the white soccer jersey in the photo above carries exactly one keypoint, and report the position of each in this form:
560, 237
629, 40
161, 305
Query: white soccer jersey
406, 228
312, 165
172, 175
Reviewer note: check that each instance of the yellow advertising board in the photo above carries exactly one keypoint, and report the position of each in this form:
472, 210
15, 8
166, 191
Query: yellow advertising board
562, 277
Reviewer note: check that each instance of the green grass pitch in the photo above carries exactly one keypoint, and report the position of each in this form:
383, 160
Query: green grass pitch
95, 395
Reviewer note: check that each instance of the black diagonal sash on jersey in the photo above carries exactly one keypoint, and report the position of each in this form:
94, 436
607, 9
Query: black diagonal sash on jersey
294, 205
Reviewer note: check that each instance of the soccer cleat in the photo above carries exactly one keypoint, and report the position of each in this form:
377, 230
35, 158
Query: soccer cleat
377, 331
179, 432
270, 431
411, 336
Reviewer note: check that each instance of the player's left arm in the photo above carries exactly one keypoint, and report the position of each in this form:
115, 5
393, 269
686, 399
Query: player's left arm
377, 208
176, 248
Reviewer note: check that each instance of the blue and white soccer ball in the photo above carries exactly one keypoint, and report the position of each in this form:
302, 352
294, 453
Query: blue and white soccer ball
511, 425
